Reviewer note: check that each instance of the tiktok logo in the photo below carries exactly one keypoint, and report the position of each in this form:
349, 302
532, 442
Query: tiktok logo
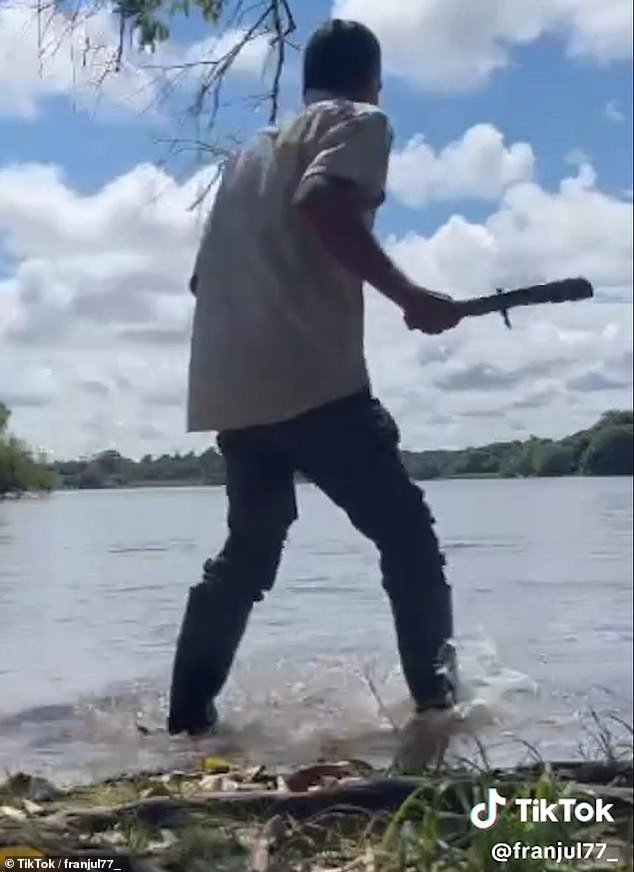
483, 815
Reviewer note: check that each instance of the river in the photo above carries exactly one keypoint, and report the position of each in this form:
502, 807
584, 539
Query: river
93, 584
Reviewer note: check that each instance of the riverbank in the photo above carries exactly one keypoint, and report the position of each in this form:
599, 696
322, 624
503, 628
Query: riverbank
605, 449
337, 817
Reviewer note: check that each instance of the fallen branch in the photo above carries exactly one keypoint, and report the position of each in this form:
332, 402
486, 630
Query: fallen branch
380, 794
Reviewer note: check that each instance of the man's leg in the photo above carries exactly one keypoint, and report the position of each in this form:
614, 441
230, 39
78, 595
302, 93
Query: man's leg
350, 451
261, 496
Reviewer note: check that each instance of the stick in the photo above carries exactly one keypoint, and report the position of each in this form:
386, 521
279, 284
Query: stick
564, 291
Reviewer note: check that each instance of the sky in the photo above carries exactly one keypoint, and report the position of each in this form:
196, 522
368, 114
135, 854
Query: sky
512, 165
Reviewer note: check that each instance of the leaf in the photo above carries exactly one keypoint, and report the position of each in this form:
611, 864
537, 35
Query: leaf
215, 765
156, 790
255, 773
312, 776
15, 852
167, 840
32, 807
114, 838
210, 9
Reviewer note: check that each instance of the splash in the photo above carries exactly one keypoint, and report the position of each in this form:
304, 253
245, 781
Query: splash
280, 713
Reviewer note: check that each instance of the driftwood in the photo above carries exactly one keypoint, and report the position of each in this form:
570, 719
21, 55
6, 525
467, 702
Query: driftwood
583, 771
375, 795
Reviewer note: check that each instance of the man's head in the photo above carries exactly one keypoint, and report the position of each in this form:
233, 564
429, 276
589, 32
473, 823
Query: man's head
344, 58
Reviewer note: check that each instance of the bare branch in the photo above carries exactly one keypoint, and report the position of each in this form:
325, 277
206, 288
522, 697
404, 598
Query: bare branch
142, 25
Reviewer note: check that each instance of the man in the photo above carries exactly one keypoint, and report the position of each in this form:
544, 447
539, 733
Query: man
278, 369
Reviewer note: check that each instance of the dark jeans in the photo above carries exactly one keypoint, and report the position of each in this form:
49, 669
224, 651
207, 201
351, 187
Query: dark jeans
349, 449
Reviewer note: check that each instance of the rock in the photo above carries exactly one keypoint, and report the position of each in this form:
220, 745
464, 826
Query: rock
15, 814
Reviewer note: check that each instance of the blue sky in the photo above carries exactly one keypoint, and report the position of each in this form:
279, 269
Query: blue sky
543, 97
556, 90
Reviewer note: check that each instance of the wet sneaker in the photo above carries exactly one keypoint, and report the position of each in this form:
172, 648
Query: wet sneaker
204, 727
424, 739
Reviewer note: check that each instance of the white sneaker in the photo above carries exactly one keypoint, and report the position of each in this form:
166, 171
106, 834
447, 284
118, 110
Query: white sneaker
424, 739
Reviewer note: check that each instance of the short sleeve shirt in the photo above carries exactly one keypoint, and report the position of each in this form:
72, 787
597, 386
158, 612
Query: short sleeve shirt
278, 323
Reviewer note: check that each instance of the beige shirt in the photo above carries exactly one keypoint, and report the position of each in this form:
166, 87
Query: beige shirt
278, 324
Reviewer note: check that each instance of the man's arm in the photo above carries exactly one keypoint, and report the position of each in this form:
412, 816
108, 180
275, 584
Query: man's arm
334, 210
337, 190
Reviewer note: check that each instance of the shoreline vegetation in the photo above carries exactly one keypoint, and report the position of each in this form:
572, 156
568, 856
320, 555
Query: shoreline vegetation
21, 470
328, 817
605, 449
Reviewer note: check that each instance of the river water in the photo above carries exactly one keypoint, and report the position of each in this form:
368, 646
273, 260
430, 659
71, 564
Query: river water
93, 584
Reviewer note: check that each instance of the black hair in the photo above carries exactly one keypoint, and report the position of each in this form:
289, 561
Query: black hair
341, 57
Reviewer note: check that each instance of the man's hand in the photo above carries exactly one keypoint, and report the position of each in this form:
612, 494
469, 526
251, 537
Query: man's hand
430, 312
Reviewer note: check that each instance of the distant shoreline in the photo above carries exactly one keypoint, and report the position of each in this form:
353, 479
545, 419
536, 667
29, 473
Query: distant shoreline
185, 485
605, 449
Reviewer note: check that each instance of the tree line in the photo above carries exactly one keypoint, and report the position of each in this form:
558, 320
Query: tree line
20, 469
603, 449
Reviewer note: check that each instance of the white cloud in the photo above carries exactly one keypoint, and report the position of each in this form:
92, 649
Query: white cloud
450, 45
534, 235
250, 61
98, 296
577, 231
599, 29
97, 268
477, 166
95, 315
51, 54
614, 113
560, 366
